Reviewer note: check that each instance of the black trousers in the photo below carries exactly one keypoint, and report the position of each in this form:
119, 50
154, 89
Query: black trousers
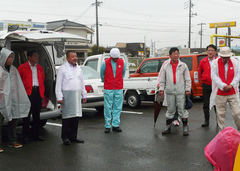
36, 105
70, 128
207, 90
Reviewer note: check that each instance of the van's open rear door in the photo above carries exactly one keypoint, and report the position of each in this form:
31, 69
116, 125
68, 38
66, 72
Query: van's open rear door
42, 36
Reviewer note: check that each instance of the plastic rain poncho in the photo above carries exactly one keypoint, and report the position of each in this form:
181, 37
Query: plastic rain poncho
14, 102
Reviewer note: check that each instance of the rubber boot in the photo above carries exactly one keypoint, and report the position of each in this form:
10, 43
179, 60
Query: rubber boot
185, 126
206, 122
167, 130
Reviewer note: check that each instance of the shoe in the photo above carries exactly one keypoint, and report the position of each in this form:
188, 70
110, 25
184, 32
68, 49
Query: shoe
175, 123
67, 142
39, 138
117, 129
167, 130
1, 150
77, 140
205, 124
15, 145
107, 130
185, 130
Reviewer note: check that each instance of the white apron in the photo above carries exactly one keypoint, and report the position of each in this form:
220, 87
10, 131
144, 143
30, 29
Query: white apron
71, 106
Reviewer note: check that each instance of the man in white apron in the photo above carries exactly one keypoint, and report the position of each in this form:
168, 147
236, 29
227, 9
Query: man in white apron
70, 90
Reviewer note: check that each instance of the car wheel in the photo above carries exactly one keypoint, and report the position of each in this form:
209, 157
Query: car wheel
43, 122
133, 100
100, 109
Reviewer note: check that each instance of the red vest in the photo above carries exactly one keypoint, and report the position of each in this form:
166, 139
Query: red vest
111, 83
230, 76
26, 75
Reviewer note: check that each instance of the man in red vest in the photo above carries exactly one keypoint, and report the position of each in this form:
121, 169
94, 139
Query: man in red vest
204, 73
33, 77
112, 74
225, 75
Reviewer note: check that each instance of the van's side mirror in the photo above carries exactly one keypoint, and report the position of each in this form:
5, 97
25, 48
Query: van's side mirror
137, 70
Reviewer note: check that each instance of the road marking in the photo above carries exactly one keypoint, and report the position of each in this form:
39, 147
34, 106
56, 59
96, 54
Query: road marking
130, 112
54, 124
89, 109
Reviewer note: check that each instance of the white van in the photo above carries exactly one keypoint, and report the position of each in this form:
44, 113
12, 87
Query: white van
49, 46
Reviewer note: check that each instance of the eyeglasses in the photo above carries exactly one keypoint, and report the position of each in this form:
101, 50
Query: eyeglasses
211, 50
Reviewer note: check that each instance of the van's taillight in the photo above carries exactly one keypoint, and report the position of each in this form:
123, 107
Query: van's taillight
89, 89
196, 77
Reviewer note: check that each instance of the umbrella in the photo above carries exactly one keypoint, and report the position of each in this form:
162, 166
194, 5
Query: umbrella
157, 106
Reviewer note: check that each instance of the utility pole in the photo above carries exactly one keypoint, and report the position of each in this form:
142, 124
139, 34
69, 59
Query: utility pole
200, 32
190, 18
97, 4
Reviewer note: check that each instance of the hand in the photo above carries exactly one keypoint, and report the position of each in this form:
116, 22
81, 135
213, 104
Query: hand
227, 88
84, 100
60, 101
188, 93
161, 93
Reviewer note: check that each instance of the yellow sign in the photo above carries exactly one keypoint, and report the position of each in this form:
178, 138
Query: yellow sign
223, 24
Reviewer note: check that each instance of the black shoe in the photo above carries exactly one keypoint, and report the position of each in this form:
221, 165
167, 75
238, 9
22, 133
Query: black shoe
67, 142
107, 130
39, 138
77, 141
117, 129
205, 124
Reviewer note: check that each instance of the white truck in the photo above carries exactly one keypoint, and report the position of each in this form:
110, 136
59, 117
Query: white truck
135, 89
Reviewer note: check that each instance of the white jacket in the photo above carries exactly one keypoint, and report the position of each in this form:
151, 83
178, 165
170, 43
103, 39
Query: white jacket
217, 82
183, 79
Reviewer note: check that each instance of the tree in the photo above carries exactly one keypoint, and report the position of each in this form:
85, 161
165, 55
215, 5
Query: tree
94, 50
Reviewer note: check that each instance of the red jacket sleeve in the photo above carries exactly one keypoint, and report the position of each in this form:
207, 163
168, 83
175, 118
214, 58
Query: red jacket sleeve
200, 70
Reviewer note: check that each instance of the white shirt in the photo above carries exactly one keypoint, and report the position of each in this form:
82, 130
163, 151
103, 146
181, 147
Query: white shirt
210, 61
75, 82
34, 74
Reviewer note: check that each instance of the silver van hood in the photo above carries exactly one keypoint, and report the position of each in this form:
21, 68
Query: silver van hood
42, 36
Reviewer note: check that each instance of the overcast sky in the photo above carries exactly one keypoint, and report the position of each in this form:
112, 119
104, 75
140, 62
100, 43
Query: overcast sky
163, 22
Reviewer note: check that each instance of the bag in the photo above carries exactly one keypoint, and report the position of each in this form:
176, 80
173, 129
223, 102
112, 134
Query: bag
188, 103
45, 100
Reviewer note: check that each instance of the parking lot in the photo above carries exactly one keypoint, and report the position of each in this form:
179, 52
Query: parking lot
139, 147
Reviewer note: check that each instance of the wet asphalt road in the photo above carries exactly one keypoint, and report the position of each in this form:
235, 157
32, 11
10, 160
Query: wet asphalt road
139, 147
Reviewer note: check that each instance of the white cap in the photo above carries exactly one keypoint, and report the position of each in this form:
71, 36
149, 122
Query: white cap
225, 52
115, 53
